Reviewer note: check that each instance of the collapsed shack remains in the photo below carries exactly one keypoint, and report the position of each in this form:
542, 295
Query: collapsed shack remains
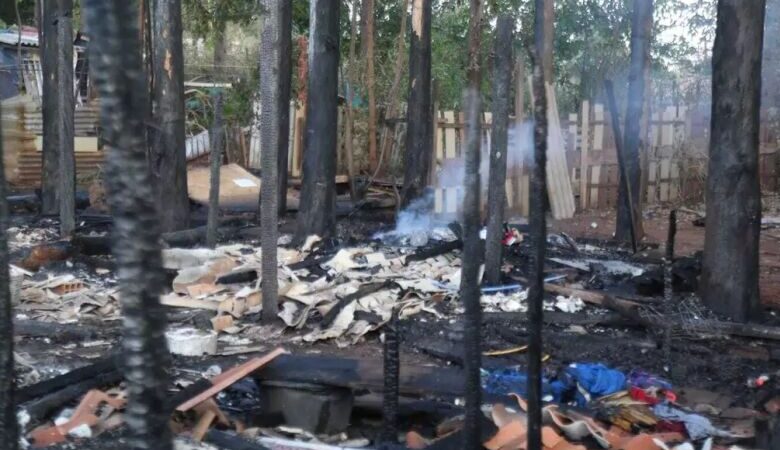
346, 294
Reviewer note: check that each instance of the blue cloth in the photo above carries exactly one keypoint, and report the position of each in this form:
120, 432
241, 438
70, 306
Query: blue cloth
510, 380
595, 380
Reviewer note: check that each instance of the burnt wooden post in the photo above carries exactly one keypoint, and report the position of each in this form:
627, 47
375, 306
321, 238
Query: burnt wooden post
622, 165
9, 433
270, 59
217, 144
50, 171
285, 91
549, 41
117, 71
669, 283
730, 265
419, 129
502, 82
641, 29
318, 192
392, 372
472, 251
66, 108
538, 234
168, 162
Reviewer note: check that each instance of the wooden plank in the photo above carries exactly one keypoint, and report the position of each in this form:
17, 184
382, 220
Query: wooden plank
82, 144
584, 154
674, 178
598, 127
439, 138
595, 177
438, 201
667, 130
664, 180
450, 137
558, 184
652, 182
226, 379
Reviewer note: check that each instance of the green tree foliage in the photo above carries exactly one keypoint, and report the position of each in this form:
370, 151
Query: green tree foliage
8, 12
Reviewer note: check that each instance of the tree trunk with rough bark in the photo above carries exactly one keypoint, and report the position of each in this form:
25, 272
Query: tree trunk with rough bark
349, 125
270, 59
117, 71
537, 229
549, 40
285, 91
419, 128
66, 108
502, 85
729, 277
216, 146
50, 86
9, 432
472, 252
392, 95
318, 193
168, 152
641, 30
368, 17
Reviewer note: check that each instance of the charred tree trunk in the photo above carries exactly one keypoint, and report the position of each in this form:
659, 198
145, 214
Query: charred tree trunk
168, 152
472, 257
216, 144
418, 119
318, 193
502, 85
118, 73
641, 29
730, 265
9, 434
349, 125
368, 17
66, 108
270, 59
538, 233
392, 95
285, 90
50, 202
549, 39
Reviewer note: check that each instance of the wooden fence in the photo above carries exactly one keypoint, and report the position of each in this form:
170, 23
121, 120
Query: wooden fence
447, 176
673, 162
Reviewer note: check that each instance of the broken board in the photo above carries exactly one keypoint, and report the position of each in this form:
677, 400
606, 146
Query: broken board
238, 189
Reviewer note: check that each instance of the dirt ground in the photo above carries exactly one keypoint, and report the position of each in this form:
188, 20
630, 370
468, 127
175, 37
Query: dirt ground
690, 239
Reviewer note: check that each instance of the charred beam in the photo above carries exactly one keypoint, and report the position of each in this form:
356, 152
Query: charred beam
537, 231
417, 159
318, 193
50, 86
502, 81
8, 425
472, 251
625, 178
66, 107
270, 59
217, 143
392, 368
285, 92
118, 73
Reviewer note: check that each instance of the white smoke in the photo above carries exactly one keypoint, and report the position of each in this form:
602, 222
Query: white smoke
418, 221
